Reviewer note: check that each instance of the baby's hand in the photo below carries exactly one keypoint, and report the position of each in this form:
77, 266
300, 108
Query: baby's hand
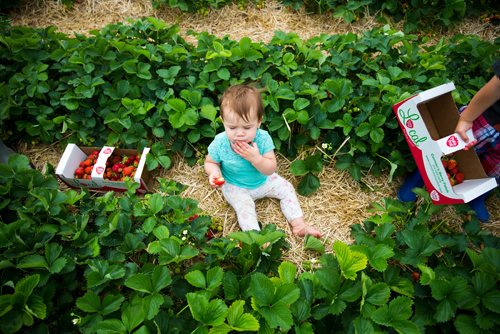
216, 180
248, 151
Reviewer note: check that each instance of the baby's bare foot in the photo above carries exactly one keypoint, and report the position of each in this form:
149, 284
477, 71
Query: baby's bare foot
301, 229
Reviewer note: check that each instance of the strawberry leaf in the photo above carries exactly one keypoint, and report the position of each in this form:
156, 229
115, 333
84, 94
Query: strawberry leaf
377, 255
308, 184
210, 313
399, 309
350, 262
314, 244
299, 167
133, 314
277, 315
139, 282
240, 321
287, 272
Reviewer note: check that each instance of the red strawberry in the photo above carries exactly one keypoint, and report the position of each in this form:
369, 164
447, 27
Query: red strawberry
210, 234
416, 276
219, 182
79, 171
88, 170
193, 217
87, 162
459, 177
130, 160
128, 171
92, 157
454, 170
452, 163
115, 159
118, 168
445, 163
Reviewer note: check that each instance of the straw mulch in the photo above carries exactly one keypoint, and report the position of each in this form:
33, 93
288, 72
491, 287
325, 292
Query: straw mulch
258, 24
340, 201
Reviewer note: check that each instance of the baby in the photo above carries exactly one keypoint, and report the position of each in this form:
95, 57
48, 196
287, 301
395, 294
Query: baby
242, 162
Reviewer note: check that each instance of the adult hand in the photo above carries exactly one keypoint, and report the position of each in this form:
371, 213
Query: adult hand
462, 127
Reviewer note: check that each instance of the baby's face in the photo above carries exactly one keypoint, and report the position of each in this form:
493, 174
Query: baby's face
237, 129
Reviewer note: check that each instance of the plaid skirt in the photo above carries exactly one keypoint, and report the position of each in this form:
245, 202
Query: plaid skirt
487, 146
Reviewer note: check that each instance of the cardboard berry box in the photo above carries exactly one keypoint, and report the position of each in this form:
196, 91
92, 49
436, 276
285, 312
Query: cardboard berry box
428, 121
73, 155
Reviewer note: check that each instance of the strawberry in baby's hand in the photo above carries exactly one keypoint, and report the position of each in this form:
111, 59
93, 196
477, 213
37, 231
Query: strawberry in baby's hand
219, 181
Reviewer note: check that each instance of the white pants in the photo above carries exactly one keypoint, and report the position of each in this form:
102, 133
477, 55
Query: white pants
243, 200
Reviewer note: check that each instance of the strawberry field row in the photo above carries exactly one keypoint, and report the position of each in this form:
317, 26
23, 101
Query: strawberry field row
73, 262
143, 85
416, 14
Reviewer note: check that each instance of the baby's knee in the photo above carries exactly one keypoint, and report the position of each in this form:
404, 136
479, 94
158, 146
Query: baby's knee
288, 186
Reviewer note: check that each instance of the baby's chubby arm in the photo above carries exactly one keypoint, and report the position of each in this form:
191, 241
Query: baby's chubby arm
264, 163
212, 169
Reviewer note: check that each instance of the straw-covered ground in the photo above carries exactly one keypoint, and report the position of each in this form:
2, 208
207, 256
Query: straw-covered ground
257, 23
340, 201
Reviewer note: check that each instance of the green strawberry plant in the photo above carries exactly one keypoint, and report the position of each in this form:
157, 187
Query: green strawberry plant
142, 85
308, 168
20, 308
77, 262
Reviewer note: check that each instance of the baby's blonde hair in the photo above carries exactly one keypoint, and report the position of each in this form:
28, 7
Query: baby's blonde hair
241, 99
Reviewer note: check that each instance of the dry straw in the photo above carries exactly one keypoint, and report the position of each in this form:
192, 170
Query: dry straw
340, 201
257, 23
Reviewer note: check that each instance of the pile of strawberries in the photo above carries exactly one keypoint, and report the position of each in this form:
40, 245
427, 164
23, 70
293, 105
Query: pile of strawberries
120, 167
86, 166
117, 167
451, 167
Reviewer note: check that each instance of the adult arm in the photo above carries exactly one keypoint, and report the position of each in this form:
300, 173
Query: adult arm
484, 98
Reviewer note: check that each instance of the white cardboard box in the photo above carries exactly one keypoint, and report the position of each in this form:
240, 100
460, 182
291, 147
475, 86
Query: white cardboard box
73, 155
428, 121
